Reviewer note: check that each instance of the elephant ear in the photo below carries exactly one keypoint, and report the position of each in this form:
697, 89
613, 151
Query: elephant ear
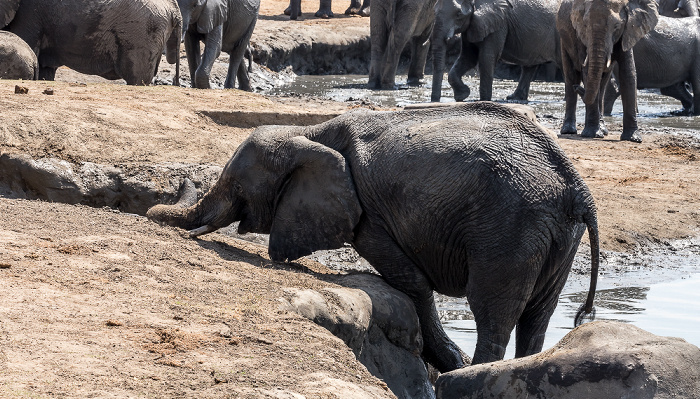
214, 13
317, 207
642, 16
489, 15
8, 8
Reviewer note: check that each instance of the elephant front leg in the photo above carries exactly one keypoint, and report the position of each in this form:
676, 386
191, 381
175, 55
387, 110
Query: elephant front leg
212, 50
372, 243
324, 10
419, 55
628, 92
521, 93
466, 61
194, 56
354, 8
572, 78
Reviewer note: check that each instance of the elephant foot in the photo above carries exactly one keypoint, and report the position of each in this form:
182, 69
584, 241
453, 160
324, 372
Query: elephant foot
568, 128
288, 11
683, 112
325, 14
352, 11
517, 97
593, 132
364, 12
632, 135
461, 94
415, 81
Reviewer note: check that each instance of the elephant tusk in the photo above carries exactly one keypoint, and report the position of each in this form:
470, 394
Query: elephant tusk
202, 230
585, 62
607, 65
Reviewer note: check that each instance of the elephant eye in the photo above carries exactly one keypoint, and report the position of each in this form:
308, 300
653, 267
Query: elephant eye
237, 187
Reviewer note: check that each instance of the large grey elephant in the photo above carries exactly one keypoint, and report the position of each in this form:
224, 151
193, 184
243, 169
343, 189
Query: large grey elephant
223, 25
665, 59
516, 32
473, 200
324, 9
594, 34
110, 38
17, 60
393, 24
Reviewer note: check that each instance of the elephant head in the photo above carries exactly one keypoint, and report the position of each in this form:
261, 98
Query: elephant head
8, 8
474, 19
601, 25
206, 14
297, 190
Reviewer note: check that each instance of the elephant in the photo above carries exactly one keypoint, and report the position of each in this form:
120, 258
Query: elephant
392, 24
223, 25
17, 60
324, 9
666, 58
679, 8
517, 32
8, 8
110, 38
472, 200
594, 34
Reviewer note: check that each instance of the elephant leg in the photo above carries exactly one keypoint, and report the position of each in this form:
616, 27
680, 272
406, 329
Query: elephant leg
466, 61
235, 61
194, 56
594, 126
47, 73
489, 54
611, 94
572, 78
681, 93
527, 75
379, 35
364, 10
696, 96
324, 10
354, 8
628, 92
243, 78
374, 244
212, 50
419, 55
397, 39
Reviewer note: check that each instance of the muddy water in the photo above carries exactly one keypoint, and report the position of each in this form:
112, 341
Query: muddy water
657, 291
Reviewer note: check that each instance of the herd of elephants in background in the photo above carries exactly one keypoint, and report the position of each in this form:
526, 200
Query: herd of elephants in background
605, 49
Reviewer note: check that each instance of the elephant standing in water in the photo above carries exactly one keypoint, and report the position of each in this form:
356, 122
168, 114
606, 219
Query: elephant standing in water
594, 34
223, 25
665, 59
473, 200
392, 24
324, 9
110, 38
517, 32
17, 60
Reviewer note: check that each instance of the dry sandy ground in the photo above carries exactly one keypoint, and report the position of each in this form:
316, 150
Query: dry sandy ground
95, 303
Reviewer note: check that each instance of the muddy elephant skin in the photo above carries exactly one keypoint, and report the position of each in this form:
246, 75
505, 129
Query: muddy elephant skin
473, 200
594, 35
17, 60
392, 25
223, 25
516, 32
110, 38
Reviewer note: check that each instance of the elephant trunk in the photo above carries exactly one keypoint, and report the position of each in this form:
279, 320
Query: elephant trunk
439, 50
213, 211
597, 58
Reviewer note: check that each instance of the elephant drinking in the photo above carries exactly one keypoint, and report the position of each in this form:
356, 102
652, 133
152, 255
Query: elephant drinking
473, 200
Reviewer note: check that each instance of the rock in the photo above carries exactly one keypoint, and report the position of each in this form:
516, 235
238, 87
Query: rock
48, 91
602, 359
21, 89
377, 322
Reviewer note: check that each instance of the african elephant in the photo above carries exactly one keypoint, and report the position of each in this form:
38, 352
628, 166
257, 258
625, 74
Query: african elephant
679, 8
392, 25
110, 38
17, 60
594, 34
8, 8
517, 32
473, 200
324, 9
666, 58
223, 25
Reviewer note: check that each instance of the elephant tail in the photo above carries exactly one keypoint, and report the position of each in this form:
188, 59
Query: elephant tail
590, 218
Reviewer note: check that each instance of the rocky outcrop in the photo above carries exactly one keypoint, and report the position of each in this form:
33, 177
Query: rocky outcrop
601, 359
377, 322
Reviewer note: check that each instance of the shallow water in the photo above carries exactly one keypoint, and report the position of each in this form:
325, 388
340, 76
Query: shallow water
546, 98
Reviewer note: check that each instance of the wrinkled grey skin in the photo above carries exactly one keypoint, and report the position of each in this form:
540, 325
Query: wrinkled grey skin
8, 8
223, 25
432, 199
17, 60
602, 360
519, 32
393, 24
665, 59
594, 34
110, 38
679, 8
324, 9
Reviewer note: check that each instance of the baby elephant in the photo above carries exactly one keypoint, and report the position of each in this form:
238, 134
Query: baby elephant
17, 60
473, 200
